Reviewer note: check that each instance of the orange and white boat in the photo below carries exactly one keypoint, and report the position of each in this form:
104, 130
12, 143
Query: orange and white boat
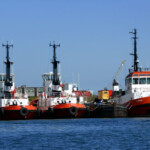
58, 100
12, 105
137, 92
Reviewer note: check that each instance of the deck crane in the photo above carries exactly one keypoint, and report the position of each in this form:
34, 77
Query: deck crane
115, 84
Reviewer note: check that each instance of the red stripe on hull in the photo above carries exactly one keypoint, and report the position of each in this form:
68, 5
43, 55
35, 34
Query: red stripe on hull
139, 107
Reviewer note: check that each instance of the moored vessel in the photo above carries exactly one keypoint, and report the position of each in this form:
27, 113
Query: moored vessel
137, 92
13, 106
56, 101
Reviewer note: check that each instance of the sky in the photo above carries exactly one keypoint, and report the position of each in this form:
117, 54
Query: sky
93, 34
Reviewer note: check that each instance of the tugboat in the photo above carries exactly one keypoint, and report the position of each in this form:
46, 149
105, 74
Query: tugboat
55, 101
137, 92
12, 105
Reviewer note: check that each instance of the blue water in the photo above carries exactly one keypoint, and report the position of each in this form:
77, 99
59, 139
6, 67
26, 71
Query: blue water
74, 134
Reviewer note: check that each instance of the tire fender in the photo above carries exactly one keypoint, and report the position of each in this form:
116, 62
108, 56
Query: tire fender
50, 110
73, 110
23, 112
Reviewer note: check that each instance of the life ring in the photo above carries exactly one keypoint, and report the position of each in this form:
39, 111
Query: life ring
73, 110
2, 111
24, 112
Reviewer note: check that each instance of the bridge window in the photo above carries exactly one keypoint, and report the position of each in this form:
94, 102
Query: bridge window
48, 78
1, 89
128, 81
148, 80
49, 89
135, 81
142, 74
2, 78
142, 80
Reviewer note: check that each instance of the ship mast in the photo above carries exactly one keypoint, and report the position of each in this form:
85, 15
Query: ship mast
55, 62
135, 51
8, 81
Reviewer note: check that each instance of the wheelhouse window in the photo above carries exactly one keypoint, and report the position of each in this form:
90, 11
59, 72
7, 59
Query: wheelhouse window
2, 78
1, 90
47, 77
128, 81
148, 80
49, 89
142, 80
135, 81
142, 74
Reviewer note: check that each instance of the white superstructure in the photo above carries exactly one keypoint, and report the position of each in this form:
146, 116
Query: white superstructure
8, 95
66, 90
137, 85
17, 99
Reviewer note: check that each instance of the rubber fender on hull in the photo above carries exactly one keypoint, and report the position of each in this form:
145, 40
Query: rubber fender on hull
24, 112
87, 112
73, 110
50, 110
2, 111
38, 112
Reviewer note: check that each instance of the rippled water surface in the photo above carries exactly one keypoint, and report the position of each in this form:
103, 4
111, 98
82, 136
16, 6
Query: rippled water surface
72, 134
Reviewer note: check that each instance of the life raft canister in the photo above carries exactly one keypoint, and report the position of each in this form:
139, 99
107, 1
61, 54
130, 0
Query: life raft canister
73, 110
23, 112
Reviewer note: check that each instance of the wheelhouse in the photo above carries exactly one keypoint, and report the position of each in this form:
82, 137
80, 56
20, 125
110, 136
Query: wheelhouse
49, 76
138, 80
2, 82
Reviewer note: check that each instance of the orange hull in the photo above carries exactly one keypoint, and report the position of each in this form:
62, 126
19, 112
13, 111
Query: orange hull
66, 110
139, 107
18, 112
69, 111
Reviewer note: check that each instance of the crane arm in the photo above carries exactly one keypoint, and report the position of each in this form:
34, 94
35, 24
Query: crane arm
119, 70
